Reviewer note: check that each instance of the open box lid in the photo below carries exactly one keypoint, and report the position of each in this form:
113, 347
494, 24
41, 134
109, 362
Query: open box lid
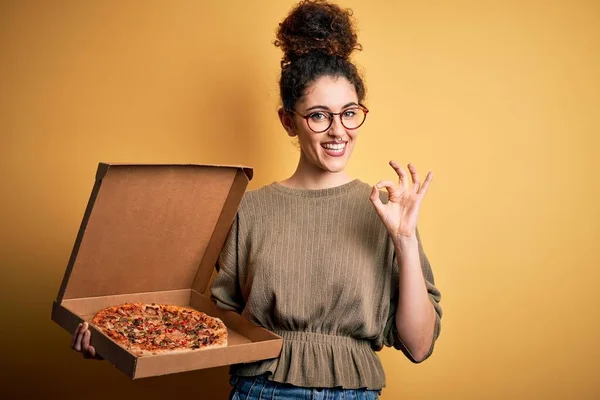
150, 228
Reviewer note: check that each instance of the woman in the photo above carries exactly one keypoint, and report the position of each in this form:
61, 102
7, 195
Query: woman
331, 264
309, 257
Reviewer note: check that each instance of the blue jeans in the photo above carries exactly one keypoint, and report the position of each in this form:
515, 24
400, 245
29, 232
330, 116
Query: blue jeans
260, 388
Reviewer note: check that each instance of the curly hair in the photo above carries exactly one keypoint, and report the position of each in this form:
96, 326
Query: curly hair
317, 39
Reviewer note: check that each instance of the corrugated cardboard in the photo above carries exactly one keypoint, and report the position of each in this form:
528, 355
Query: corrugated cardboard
152, 234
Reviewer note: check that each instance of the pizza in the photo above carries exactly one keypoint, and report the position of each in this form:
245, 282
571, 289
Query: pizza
149, 329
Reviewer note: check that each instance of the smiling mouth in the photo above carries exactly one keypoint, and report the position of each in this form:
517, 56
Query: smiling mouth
335, 149
334, 146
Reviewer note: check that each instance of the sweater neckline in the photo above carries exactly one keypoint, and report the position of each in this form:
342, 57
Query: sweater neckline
314, 193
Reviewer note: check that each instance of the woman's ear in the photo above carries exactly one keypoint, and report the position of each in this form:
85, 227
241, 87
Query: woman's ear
287, 122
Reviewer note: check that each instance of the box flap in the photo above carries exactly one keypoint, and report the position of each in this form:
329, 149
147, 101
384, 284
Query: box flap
150, 227
103, 168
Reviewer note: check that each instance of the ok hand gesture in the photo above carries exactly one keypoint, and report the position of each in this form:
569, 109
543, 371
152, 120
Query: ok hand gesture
401, 212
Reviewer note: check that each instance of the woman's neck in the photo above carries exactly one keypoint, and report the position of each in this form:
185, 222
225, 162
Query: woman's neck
312, 177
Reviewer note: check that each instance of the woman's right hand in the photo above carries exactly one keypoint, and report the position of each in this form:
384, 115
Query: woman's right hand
81, 342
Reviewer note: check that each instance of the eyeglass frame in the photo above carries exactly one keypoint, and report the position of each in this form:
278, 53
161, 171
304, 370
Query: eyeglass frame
332, 114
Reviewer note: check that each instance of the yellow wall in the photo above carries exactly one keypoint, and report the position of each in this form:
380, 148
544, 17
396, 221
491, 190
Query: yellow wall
499, 99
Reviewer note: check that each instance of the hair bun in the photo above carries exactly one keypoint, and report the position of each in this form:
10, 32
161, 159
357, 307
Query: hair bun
317, 26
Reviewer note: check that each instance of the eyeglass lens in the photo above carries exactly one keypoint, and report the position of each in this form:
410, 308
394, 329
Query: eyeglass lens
320, 121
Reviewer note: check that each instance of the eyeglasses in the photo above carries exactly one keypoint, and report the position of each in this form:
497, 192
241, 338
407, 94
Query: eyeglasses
320, 121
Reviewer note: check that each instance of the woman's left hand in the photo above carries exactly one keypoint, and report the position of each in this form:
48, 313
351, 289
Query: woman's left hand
401, 212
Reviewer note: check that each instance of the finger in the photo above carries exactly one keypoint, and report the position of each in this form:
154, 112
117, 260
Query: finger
425, 186
388, 185
85, 342
80, 334
75, 335
87, 350
402, 176
78, 339
87, 355
415, 177
376, 200
91, 353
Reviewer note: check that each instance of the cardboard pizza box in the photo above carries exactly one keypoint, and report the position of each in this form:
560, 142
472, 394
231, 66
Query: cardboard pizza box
152, 234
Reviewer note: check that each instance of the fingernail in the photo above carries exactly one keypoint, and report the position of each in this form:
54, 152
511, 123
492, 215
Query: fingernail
85, 325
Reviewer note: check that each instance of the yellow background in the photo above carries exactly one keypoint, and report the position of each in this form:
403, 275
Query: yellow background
499, 99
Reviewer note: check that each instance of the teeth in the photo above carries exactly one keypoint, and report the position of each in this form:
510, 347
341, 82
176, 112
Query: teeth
337, 147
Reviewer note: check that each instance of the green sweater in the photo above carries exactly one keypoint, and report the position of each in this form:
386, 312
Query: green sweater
318, 268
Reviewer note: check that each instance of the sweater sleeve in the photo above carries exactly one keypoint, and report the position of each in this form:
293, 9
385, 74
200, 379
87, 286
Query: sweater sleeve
391, 335
225, 290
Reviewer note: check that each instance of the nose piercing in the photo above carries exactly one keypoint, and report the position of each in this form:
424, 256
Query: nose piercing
338, 140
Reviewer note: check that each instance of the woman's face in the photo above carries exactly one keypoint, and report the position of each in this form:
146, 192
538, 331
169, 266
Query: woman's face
329, 150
